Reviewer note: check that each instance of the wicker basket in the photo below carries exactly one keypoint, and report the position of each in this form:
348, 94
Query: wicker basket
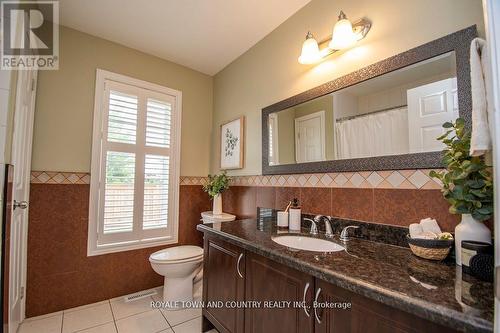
433, 249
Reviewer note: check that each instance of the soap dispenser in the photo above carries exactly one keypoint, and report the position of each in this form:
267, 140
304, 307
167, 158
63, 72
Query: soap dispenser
295, 215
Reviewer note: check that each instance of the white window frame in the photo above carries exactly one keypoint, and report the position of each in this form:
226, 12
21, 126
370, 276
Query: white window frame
274, 148
94, 247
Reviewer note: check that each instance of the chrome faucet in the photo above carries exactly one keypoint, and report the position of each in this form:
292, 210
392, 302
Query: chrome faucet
344, 235
328, 224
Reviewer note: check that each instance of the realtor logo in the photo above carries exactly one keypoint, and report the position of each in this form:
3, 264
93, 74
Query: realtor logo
29, 35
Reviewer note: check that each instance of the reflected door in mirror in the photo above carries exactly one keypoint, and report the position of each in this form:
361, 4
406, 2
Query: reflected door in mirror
400, 112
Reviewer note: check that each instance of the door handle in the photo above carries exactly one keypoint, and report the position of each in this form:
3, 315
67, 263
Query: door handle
306, 288
20, 204
318, 319
238, 265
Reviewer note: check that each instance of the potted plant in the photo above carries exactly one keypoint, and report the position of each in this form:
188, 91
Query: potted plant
467, 186
215, 186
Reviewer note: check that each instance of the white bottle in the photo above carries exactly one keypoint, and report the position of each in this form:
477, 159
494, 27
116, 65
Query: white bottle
469, 229
295, 216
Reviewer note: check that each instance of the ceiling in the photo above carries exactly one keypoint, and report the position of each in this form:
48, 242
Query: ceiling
205, 35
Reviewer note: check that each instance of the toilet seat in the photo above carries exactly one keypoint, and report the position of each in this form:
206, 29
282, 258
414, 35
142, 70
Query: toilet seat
177, 254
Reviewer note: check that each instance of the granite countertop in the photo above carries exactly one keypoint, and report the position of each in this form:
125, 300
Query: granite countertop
436, 291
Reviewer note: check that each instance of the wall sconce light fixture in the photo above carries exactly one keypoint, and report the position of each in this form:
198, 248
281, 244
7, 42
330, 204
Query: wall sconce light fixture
345, 34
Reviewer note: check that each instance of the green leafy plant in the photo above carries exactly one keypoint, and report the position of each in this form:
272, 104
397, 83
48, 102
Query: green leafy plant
217, 184
467, 180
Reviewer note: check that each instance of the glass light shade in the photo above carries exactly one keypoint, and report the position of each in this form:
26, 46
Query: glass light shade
310, 51
343, 36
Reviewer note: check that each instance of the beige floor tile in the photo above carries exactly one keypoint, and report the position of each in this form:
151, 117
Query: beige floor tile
50, 324
192, 326
106, 328
122, 309
147, 322
179, 316
87, 317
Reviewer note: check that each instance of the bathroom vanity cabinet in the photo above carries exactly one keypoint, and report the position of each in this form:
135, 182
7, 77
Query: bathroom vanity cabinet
234, 274
224, 281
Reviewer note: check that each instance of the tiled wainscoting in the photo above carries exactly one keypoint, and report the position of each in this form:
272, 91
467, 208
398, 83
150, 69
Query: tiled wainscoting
61, 276
388, 206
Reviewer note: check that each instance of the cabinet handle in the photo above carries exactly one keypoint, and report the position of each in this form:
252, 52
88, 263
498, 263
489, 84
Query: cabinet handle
318, 319
238, 265
306, 288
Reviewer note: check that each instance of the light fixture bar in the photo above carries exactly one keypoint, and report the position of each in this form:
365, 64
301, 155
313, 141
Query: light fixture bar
313, 51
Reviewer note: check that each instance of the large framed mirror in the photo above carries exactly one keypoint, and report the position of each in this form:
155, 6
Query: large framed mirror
383, 117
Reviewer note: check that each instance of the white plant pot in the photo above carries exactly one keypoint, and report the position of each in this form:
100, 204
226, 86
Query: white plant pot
217, 205
469, 229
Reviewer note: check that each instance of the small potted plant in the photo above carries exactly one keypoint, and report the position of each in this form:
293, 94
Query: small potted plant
215, 186
467, 186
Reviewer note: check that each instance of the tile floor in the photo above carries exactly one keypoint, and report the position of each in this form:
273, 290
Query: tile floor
117, 316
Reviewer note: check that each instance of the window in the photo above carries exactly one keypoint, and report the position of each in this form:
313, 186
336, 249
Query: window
134, 189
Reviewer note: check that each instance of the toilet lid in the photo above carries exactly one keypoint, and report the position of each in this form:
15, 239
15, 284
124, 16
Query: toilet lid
177, 253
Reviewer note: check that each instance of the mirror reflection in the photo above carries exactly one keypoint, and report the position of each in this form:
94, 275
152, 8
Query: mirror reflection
396, 113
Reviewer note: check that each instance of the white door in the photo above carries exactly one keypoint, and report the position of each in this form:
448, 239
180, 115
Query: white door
310, 138
429, 106
21, 159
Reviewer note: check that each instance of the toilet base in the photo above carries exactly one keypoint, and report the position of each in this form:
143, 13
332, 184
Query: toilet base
177, 290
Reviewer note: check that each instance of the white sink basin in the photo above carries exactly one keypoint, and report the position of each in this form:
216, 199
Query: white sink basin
308, 243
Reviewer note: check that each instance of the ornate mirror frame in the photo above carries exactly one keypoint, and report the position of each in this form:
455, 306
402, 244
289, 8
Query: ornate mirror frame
458, 41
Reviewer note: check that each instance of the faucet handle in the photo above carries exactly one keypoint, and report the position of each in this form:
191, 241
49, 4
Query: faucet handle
314, 226
344, 235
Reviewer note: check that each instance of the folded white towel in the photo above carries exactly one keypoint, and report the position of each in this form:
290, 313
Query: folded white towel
430, 225
481, 97
415, 230
426, 235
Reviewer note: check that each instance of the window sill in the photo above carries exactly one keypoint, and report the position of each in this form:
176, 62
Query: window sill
92, 250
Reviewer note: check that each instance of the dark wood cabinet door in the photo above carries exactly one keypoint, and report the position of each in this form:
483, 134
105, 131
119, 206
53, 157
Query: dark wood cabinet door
268, 281
223, 281
364, 315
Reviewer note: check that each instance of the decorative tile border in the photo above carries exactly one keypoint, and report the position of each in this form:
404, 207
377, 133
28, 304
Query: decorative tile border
49, 177
188, 180
402, 179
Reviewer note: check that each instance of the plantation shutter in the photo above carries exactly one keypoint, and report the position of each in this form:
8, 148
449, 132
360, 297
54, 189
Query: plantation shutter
157, 167
134, 191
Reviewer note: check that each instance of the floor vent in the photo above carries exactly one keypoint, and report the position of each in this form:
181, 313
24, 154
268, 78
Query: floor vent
139, 295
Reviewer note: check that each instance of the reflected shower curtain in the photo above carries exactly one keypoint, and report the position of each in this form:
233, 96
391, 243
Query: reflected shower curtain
377, 134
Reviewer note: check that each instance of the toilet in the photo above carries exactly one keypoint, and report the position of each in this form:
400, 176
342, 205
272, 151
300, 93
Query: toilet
178, 265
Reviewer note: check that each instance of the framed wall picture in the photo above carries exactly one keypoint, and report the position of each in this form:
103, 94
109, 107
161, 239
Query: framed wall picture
232, 144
